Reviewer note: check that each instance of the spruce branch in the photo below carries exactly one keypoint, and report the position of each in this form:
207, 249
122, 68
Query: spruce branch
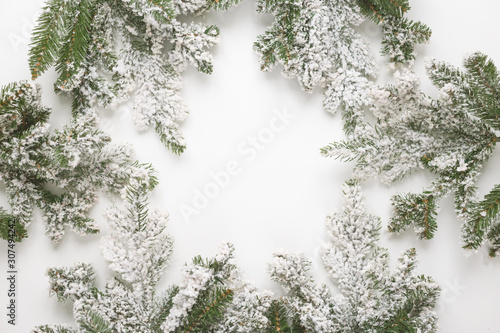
372, 298
53, 329
315, 42
209, 299
78, 159
6, 221
482, 215
93, 322
213, 298
281, 319
110, 51
75, 43
494, 239
418, 209
46, 38
452, 136
401, 35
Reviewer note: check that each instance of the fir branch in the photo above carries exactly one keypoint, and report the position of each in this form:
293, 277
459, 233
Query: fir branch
316, 43
208, 311
494, 239
452, 136
79, 159
107, 52
46, 40
93, 322
482, 215
161, 10
75, 45
400, 38
53, 329
163, 309
7, 224
373, 299
485, 86
400, 34
137, 250
418, 209
281, 319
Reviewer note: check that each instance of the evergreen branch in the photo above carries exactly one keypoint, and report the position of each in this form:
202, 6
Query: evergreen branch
418, 209
171, 138
485, 86
161, 10
371, 11
222, 4
482, 215
279, 319
379, 10
400, 37
75, 46
400, 34
494, 239
20, 110
93, 322
452, 136
9, 223
81, 37
277, 43
62, 281
46, 40
208, 310
53, 329
373, 299
164, 307
77, 159
417, 301
462, 88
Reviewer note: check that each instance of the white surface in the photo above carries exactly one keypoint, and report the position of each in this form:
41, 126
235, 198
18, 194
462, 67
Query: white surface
282, 195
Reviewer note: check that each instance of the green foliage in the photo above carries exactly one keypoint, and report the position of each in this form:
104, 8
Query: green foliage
163, 308
418, 209
452, 136
494, 239
282, 319
66, 278
400, 34
138, 250
222, 4
78, 161
208, 311
8, 223
75, 43
407, 317
93, 322
315, 41
53, 329
277, 44
46, 38
478, 88
109, 51
481, 217
371, 296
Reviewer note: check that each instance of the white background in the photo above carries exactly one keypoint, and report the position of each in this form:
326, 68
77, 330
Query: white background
281, 197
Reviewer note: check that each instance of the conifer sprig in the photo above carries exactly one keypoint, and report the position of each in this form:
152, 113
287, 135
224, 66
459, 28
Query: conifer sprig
78, 160
452, 136
315, 41
401, 35
213, 298
46, 38
110, 51
372, 298
137, 251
